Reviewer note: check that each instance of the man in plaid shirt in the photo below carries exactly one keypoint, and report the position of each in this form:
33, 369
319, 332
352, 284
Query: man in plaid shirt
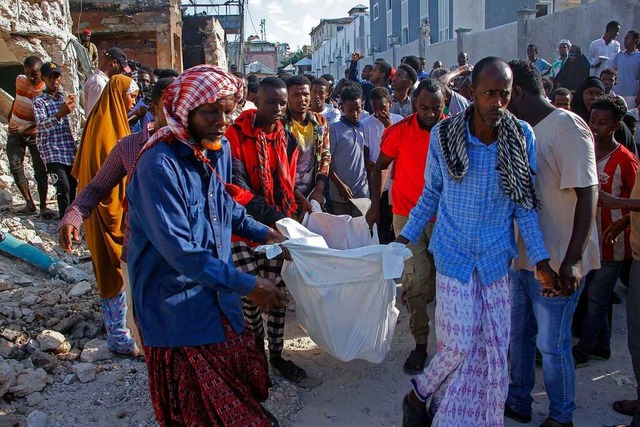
53, 137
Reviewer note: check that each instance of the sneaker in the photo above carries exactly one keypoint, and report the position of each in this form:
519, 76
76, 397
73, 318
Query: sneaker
579, 359
287, 369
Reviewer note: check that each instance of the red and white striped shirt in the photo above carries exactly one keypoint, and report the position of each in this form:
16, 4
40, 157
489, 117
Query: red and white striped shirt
616, 175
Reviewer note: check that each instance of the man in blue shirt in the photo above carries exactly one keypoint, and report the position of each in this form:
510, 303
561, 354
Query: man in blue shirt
532, 53
378, 77
203, 364
478, 180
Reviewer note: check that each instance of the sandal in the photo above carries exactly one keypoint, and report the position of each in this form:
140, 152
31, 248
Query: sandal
48, 214
414, 416
550, 422
27, 210
415, 362
625, 407
287, 369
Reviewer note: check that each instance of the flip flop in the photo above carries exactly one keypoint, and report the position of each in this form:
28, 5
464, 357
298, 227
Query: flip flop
27, 210
625, 407
48, 214
415, 362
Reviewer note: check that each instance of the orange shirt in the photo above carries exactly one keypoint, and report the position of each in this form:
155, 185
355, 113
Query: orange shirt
22, 107
407, 144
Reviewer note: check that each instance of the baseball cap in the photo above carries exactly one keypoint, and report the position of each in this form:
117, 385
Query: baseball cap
119, 56
565, 41
87, 32
50, 68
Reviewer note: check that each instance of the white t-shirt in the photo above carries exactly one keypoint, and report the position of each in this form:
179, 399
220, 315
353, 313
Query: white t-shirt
92, 90
373, 129
599, 48
565, 156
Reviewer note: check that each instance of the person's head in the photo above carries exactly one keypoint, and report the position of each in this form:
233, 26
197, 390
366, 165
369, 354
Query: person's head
491, 90
612, 30
155, 103
380, 100
437, 64
199, 103
330, 79
438, 72
606, 117
252, 90
631, 121
463, 58
366, 70
609, 76
423, 63
380, 73
591, 89
299, 94
131, 95
631, 40
52, 76
85, 37
428, 102
271, 101
351, 103
144, 79
532, 52
346, 73
413, 62
154, 79
243, 79
167, 72
575, 52
563, 48
114, 62
319, 94
547, 84
561, 98
32, 66
526, 87
404, 78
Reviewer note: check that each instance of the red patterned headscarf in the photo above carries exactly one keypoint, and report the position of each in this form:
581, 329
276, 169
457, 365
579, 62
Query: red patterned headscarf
202, 84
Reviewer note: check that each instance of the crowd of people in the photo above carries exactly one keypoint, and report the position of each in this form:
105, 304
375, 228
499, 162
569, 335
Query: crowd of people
514, 184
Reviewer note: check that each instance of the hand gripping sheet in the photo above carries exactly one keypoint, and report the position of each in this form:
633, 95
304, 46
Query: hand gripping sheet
345, 299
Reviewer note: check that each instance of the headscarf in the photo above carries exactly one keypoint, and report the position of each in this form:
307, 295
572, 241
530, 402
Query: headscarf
577, 103
202, 84
106, 125
573, 72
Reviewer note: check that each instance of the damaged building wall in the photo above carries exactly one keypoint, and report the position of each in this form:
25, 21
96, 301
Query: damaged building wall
42, 29
203, 41
149, 31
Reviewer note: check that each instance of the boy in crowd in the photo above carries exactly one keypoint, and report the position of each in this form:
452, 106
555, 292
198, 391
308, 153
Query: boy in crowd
54, 138
347, 173
561, 98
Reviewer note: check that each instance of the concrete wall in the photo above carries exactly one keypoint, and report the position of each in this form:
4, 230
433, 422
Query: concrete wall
499, 41
469, 14
582, 24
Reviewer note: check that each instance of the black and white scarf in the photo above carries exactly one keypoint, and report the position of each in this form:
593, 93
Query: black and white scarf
513, 161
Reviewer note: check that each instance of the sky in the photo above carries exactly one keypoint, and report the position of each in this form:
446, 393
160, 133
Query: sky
291, 21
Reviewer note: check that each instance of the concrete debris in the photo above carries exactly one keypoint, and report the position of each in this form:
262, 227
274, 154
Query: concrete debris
51, 340
8, 377
80, 289
86, 372
29, 382
37, 419
96, 350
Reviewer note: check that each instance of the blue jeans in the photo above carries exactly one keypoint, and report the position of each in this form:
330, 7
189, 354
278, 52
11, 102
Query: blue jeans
596, 331
546, 323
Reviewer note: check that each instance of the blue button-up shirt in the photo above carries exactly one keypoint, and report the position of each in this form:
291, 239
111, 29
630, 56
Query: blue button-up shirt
182, 276
474, 229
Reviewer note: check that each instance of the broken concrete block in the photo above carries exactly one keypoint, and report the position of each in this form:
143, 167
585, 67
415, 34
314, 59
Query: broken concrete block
29, 382
86, 372
50, 340
95, 350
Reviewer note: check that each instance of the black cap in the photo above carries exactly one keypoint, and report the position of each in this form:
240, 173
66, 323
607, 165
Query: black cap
50, 68
119, 56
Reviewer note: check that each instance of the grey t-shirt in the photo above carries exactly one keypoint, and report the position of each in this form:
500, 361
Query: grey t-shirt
628, 66
347, 158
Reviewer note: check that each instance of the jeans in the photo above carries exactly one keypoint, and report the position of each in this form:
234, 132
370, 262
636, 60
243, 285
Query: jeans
633, 329
546, 323
596, 330
65, 185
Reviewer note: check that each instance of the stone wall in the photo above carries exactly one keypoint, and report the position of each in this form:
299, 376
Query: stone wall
42, 29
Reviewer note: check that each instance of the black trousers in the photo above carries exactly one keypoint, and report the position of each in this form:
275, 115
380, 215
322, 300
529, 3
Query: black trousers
65, 185
17, 146
385, 223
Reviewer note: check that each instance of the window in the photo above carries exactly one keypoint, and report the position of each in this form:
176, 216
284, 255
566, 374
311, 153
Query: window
544, 7
339, 28
405, 35
388, 4
376, 11
443, 20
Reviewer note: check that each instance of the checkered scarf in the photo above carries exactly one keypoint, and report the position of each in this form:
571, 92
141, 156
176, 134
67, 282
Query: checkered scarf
513, 160
202, 84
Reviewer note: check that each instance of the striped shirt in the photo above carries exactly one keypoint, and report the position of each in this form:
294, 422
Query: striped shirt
475, 225
616, 176
22, 114
53, 138
118, 164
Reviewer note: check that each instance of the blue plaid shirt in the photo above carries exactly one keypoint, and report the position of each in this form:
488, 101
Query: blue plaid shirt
474, 229
53, 137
